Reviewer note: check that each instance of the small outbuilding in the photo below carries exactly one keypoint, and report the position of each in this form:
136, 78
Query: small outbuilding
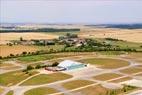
69, 64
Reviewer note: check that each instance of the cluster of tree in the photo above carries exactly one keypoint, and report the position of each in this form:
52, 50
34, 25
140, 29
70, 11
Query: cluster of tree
112, 39
90, 46
42, 30
70, 35
91, 49
124, 26
39, 66
68, 49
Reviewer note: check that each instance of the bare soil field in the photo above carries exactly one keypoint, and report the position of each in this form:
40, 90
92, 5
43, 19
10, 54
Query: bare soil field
133, 35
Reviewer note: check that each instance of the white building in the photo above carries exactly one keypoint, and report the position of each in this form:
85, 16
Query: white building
69, 64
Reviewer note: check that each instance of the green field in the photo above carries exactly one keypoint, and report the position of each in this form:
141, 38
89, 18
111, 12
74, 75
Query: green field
46, 78
42, 57
41, 91
105, 63
12, 78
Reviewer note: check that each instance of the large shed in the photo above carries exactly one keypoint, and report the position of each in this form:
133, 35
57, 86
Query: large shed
69, 64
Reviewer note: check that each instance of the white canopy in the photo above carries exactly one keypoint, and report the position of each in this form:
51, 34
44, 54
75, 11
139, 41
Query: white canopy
68, 63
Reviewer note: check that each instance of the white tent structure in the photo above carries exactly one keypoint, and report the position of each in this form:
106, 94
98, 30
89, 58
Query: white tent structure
69, 64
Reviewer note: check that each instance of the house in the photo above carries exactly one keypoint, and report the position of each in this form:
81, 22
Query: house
69, 64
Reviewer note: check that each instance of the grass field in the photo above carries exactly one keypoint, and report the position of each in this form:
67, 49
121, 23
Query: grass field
100, 90
76, 84
1, 90
139, 74
35, 58
106, 63
11, 68
41, 91
106, 76
131, 70
135, 56
2, 65
92, 90
43, 57
12, 78
121, 79
10, 93
46, 78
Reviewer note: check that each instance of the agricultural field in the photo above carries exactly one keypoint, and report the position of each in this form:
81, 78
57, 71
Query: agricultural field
26, 36
133, 35
103, 73
6, 50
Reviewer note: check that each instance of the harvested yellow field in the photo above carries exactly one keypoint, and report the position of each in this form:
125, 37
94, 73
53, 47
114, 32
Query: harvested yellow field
133, 35
27, 36
17, 49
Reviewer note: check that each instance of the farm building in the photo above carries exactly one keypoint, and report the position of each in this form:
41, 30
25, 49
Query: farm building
69, 64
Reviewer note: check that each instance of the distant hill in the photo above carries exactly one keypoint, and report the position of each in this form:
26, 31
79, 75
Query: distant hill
121, 26
38, 30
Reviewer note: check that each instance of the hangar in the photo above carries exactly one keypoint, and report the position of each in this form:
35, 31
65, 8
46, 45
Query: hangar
69, 64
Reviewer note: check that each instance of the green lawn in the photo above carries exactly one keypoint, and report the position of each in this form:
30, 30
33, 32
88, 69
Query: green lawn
46, 78
41, 91
12, 78
106, 63
76, 84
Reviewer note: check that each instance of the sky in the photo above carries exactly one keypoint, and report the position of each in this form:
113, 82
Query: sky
71, 11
